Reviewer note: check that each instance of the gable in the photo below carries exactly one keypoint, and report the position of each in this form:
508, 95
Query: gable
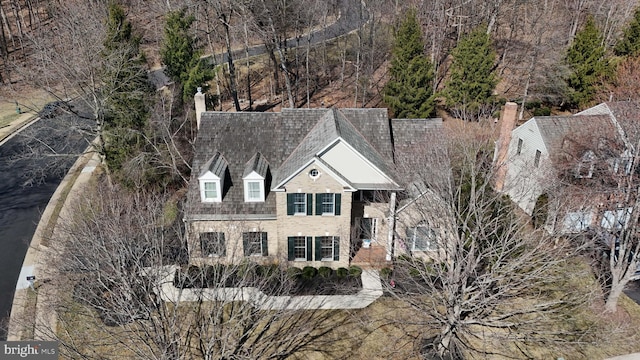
354, 167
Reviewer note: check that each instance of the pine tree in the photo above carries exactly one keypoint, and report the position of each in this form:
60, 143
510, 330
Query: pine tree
181, 56
629, 45
178, 49
472, 80
409, 92
126, 89
588, 64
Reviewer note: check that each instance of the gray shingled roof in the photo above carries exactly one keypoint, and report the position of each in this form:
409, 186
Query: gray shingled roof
627, 114
568, 138
257, 163
555, 130
282, 143
420, 152
331, 126
217, 165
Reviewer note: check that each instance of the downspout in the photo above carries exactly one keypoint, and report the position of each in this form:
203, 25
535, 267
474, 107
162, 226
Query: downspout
392, 225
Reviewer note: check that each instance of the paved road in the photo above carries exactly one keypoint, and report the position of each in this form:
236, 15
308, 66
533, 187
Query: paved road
26, 186
352, 14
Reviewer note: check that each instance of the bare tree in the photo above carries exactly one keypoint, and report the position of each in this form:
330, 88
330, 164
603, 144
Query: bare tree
117, 254
598, 186
476, 274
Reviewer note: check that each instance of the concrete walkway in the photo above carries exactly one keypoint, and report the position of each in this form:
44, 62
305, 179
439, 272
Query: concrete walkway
371, 290
10, 130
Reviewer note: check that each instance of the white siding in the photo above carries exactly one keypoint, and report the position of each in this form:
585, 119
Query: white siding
353, 166
524, 181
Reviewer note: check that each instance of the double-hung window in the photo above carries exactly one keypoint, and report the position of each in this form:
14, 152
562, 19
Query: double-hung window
422, 238
299, 248
254, 191
255, 243
210, 190
328, 204
213, 244
327, 248
299, 204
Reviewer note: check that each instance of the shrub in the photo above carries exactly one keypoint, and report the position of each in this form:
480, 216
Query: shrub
386, 273
266, 270
355, 271
309, 272
342, 273
246, 270
325, 272
542, 111
294, 272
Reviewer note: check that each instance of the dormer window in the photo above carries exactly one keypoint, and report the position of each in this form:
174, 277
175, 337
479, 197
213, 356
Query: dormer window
211, 190
211, 179
253, 190
255, 174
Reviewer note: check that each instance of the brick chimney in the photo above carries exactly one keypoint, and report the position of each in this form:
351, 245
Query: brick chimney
198, 98
507, 124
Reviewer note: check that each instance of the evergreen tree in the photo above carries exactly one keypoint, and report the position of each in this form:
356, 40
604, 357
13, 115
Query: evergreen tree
588, 64
178, 49
629, 45
409, 92
125, 90
181, 56
469, 89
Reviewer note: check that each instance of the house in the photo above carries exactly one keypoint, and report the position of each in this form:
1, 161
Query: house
573, 165
311, 187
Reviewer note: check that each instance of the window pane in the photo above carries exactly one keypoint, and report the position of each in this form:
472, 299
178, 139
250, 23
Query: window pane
210, 190
300, 248
327, 203
212, 244
326, 246
253, 190
423, 238
299, 203
254, 243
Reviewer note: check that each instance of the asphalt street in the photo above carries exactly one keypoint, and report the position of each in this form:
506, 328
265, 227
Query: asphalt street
29, 175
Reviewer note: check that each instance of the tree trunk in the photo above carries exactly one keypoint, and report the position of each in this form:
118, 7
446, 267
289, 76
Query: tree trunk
232, 70
246, 54
611, 304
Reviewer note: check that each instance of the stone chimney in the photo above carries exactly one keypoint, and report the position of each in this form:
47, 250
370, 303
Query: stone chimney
198, 98
507, 124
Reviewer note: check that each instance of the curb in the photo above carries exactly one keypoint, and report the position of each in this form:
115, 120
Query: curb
33, 262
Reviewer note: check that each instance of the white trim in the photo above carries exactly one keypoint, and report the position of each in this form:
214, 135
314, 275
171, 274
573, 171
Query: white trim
375, 168
210, 177
318, 162
203, 191
260, 197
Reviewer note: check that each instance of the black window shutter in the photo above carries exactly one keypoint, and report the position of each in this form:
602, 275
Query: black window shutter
338, 203
291, 242
265, 251
318, 204
318, 248
290, 204
309, 248
245, 243
336, 248
222, 243
309, 204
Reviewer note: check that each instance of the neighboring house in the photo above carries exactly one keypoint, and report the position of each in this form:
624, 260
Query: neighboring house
313, 187
575, 165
